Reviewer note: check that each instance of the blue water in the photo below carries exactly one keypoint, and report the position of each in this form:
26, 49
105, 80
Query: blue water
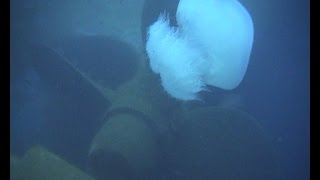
275, 89
280, 74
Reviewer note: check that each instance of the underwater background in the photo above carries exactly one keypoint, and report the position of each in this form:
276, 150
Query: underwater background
83, 95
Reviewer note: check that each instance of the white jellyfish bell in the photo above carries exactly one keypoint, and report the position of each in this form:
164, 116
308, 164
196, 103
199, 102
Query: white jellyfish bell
210, 46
